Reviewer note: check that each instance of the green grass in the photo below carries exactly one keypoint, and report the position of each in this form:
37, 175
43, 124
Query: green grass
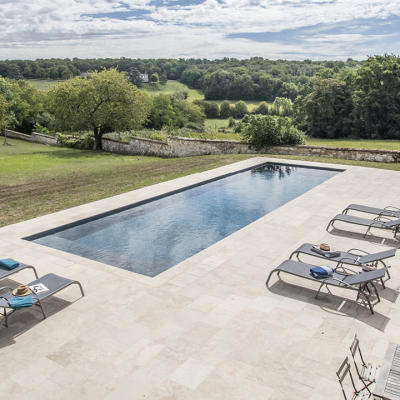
162, 135
37, 179
361, 144
43, 84
172, 87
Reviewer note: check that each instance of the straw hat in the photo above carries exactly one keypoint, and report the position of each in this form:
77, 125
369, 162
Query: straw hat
325, 247
22, 290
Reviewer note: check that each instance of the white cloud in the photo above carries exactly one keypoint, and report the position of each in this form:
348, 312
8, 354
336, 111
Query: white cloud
65, 28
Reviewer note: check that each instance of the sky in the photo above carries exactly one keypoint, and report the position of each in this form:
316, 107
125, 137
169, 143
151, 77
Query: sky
275, 29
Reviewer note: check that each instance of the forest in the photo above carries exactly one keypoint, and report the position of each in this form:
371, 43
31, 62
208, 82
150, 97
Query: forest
251, 79
326, 99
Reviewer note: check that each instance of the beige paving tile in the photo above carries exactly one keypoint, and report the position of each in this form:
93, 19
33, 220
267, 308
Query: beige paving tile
207, 328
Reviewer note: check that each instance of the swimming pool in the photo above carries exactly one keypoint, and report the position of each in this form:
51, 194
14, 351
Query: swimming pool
152, 237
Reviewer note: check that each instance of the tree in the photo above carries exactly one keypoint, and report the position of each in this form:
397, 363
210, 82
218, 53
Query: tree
3, 116
225, 109
262, 109
266, 130
326, 110
104, 101
377, 98
240, 109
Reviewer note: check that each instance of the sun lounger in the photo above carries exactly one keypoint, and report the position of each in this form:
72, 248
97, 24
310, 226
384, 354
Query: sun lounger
378, 222
54, 283
357, 282
4, 272
389, 211
349, 257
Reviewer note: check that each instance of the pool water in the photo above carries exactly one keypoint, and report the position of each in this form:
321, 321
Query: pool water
153, 237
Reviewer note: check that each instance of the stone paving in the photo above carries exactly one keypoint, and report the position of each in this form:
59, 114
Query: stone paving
207, 328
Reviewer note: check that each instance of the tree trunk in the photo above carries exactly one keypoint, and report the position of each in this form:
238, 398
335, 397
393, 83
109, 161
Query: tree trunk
97, 138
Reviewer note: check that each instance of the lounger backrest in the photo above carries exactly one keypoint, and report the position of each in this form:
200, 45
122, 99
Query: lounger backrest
377, 256
363, 277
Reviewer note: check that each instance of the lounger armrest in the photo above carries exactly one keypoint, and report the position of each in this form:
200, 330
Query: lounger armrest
355, 249
350, 259
5, 287
347, 269
340, 281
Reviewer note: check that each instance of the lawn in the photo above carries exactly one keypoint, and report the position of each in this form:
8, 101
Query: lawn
362, 144
43, 84
172, 87
37, 179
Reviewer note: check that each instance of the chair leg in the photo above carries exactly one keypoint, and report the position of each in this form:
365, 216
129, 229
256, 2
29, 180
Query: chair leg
368, 301
376, 292
41, 308
319, 290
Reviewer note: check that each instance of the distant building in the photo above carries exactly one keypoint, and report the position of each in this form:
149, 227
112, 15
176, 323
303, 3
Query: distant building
144, 77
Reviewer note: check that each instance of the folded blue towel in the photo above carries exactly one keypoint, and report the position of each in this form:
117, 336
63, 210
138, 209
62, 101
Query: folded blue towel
321, 272
8, 263
20, 301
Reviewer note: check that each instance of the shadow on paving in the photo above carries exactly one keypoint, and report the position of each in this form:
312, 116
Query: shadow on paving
390, 242
333, 304
27, 318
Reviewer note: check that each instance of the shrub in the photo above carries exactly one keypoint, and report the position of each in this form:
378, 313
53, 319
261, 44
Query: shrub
84, 141
225, 109
262, 109
265, 130
40, 129
240, 109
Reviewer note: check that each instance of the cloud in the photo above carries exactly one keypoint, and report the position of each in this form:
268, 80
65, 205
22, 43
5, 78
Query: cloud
198, 28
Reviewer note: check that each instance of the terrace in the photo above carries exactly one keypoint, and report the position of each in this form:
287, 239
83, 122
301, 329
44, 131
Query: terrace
207, 328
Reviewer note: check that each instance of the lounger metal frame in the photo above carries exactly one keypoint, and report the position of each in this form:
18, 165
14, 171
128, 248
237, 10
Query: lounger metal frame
4, 273
395, 228
388, 211
37, 299
345, 260
360, 287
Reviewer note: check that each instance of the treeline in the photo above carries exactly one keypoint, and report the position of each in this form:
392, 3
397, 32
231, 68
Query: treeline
362, 102
251, 79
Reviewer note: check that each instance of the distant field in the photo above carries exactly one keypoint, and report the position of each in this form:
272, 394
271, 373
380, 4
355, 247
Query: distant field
362, 144
42, 84
172, 87
216, 123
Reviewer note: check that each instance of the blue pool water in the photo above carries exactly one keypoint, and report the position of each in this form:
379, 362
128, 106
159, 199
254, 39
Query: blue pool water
154, 236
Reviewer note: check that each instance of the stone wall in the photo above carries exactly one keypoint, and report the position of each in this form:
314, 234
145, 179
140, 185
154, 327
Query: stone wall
385, 156
184, 147
34, 137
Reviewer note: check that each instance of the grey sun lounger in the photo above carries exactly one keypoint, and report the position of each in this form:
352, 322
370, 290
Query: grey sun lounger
349, 257
53, 282
388, 211
357, 282
4, 272
379, 222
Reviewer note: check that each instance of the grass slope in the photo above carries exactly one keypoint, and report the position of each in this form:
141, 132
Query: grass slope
360, 144
43, 84
37, 179
172, 87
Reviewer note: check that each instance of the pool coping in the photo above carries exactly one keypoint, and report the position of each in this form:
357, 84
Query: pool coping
22, 232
